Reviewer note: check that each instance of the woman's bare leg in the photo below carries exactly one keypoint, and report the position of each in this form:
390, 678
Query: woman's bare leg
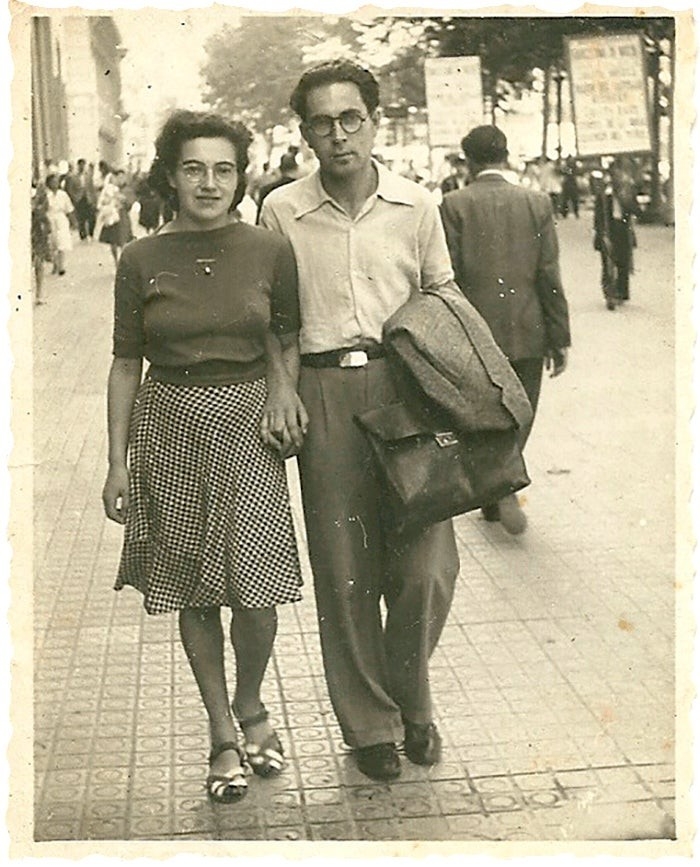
253, 632
203, 639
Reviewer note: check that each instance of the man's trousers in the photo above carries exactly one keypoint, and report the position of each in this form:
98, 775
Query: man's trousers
376, 668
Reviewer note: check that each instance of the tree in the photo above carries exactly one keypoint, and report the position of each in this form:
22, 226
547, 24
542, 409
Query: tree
252, 68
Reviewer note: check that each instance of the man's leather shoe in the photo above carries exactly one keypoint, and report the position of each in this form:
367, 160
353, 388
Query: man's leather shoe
423, 744
378, 761
490, 513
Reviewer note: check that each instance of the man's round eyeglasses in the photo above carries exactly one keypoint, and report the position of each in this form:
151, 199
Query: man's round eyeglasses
323, 124
196, 172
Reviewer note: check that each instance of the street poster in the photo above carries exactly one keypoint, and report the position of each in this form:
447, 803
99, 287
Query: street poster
453, 97
609, 94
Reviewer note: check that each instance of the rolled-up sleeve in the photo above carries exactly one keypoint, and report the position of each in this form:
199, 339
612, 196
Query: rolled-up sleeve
128, 337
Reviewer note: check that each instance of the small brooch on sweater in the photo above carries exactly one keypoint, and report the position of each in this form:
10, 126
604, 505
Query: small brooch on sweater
204, 267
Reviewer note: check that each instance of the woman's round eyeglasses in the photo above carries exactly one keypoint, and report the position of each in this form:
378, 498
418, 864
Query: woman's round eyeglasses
196, 172
323, 124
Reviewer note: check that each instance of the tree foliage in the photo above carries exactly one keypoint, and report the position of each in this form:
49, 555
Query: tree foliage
252, 68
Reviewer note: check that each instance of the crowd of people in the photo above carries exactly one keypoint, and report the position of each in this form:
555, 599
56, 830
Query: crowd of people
98, 202
116, 205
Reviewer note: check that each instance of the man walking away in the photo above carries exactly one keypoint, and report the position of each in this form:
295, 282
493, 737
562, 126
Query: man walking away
505, 254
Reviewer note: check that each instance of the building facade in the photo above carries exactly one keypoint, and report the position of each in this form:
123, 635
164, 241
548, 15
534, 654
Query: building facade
76, 90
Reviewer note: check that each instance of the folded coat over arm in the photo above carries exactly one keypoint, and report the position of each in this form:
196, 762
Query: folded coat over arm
446, 347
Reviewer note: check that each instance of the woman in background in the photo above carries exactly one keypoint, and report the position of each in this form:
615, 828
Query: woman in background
41, 239
60, 213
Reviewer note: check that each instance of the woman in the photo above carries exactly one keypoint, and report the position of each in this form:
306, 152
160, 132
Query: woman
113, 214
60, 212
212, 304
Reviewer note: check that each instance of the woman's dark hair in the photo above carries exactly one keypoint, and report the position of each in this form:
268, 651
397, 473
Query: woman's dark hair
183, 126
335, 72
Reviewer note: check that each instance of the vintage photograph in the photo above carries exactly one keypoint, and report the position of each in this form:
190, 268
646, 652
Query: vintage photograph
358, 427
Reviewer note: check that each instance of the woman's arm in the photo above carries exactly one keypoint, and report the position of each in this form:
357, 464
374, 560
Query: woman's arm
284, 419
124, 381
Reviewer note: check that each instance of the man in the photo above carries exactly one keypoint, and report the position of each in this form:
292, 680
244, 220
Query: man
569, 188
288, 173
505, 254
459, 175
615, 207
76, 186
364, 240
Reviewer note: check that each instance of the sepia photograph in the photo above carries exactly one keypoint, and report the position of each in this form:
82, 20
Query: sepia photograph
351, 409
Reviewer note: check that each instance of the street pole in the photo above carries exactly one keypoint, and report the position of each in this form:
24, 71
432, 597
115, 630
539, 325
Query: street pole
559, 75
655, 203
545, 108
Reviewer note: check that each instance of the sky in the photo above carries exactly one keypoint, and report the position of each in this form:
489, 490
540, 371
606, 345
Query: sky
161, 67
165, 50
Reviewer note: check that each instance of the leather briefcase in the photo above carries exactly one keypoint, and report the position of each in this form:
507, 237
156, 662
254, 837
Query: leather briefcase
432, 471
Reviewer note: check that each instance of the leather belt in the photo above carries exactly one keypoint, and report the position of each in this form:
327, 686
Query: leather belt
356, 356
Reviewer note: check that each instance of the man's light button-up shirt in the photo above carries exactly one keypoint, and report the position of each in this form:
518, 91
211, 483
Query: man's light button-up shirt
354, 273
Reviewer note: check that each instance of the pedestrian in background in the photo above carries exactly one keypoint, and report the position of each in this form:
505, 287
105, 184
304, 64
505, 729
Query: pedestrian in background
204, 497
505, 254
615, 207
149, 206
550, 182
364, 239
77, 188
60, 213
40, 239
112, 214
569, 188
287, 174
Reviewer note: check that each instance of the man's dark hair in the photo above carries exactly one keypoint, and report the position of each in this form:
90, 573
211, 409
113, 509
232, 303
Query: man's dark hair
335, 72
485, 145
183, 126
288, 163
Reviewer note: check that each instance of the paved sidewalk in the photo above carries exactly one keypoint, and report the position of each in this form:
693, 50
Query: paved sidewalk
554, 680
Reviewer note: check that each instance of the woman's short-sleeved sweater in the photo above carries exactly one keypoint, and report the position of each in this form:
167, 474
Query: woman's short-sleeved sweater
198, 305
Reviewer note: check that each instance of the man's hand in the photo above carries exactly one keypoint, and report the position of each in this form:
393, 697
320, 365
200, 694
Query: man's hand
555, 361
284, 421
115, 494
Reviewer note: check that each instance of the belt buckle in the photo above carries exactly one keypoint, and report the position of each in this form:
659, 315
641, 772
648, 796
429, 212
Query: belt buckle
446, 438
353, 358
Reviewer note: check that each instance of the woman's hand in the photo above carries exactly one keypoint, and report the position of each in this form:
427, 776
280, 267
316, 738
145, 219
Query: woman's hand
115, 494
284, 421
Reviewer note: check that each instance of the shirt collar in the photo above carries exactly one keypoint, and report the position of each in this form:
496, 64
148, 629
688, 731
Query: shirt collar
492, 172
390, 187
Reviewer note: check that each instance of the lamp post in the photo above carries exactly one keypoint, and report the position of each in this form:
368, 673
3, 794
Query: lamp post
559, 75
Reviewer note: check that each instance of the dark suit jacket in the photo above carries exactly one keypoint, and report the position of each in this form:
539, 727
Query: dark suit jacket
505, 256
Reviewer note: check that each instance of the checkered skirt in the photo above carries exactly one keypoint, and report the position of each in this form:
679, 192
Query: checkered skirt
209, 521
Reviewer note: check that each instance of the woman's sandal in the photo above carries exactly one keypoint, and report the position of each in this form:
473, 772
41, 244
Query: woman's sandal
233, 785
266, 759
